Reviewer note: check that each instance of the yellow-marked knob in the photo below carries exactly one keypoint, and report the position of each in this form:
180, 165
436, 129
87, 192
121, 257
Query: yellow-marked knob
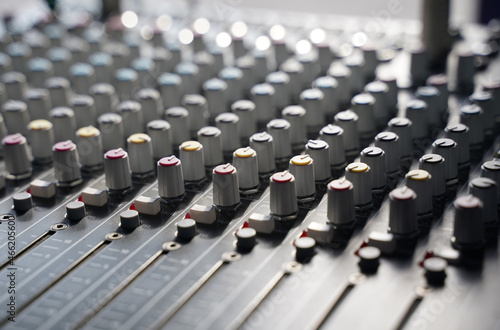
418, 175
139, 138
357, 167
190, 145
301, 160
39, 125
244, 152
88, 131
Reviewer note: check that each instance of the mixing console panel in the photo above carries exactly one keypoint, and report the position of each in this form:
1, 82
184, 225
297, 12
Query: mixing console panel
199, 169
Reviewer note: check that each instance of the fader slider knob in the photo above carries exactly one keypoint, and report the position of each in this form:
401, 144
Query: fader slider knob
304, 248
246, 238
186, 229
75, 211
435, 270
369, 259
22, 201
129, 219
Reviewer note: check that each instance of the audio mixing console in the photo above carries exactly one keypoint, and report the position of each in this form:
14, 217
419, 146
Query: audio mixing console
231, 168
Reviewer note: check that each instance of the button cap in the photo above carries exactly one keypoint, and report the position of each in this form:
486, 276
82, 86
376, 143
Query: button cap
94, 197
262, 223
203, 214
42, 189
147, 205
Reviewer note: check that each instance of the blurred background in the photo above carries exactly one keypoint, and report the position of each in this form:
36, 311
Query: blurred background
461, 10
